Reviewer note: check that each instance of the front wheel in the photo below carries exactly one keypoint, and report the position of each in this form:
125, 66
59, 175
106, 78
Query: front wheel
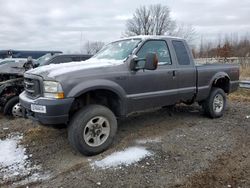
92, 129
214, 105
12, 107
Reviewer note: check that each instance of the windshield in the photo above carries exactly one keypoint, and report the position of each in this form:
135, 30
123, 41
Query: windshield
118, 50
41, 60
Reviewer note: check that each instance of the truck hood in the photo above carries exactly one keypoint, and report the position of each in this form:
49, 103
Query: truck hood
58, 70
12, 68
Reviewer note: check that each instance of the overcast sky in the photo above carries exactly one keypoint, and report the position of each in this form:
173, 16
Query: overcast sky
66, 24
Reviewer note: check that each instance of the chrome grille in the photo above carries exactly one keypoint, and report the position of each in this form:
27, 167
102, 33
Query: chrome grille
32, 87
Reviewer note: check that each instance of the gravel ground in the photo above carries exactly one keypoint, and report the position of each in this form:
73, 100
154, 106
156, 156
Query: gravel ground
187, 150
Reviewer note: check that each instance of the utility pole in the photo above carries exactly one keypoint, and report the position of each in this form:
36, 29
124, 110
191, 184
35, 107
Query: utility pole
81, 43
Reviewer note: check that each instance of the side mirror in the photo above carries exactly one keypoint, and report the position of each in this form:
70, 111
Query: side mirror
133, 60
151, 62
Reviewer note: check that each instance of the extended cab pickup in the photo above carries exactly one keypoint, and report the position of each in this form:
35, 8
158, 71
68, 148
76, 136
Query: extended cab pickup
128, 75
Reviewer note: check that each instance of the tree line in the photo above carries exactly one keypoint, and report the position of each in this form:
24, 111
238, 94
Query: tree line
156, 20
224, 47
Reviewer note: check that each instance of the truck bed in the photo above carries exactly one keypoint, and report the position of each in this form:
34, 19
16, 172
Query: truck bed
208, 72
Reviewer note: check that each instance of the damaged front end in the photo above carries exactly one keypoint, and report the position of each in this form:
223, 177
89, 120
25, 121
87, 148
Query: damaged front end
11, 81
10, 85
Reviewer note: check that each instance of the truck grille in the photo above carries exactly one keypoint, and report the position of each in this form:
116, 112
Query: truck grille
32, 87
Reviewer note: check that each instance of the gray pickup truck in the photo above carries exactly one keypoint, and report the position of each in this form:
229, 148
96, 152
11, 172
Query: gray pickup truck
127, 75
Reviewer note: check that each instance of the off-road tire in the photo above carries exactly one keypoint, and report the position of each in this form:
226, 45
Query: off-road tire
7, 110
208, 106
79, 122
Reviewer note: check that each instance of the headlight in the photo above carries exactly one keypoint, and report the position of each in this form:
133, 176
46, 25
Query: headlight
53, 90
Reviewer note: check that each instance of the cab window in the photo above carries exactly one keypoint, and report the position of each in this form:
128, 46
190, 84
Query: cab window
181, 53
156, 46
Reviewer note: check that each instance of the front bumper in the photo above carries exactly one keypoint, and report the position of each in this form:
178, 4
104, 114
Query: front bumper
57, 110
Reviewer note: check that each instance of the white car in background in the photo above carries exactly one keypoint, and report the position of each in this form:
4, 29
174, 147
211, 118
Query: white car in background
12, 60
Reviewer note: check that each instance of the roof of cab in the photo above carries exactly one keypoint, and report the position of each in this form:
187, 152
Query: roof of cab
144, 37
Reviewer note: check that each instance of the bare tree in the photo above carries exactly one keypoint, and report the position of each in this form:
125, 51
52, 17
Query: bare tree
151, 20
185, 31
163, 24
208, 48
93, 47
201, 50
156, 20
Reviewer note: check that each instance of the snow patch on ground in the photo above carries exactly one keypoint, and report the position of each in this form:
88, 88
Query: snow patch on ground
14, 162
12, 158
126, 157
149, 140
36, 177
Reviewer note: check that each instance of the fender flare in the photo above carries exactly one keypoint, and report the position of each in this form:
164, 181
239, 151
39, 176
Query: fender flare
218, 76
92, 85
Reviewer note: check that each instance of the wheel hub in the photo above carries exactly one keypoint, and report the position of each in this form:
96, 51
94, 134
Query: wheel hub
96, 131
17, 110
218, 103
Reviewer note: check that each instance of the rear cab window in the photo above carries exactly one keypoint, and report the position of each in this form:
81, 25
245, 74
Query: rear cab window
181, 52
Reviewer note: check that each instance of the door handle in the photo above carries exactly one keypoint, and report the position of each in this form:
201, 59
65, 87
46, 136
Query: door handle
174, 73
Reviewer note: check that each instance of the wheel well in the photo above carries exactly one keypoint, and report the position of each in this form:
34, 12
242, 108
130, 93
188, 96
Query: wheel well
223, 83
100, 96
9, 92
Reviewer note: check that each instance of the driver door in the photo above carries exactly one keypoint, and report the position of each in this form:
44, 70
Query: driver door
149, 89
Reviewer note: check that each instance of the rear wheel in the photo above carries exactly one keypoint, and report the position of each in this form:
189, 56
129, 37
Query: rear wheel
92, 129
12, 107
214, 105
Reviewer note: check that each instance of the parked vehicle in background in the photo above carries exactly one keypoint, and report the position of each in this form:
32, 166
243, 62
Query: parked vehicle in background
64, 58
12, 60
25, 53
128, 75
11, 78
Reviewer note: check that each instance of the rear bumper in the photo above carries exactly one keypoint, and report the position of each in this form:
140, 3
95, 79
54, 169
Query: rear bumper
57, 110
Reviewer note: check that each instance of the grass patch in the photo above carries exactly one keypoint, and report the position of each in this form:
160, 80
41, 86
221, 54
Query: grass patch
241, 94
36, 134
244, 71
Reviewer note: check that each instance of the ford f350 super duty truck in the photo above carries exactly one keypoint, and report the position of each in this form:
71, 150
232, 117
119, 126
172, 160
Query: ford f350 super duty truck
127, 75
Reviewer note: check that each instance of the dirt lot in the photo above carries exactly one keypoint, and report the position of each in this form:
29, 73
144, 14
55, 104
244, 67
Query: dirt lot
187, 150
